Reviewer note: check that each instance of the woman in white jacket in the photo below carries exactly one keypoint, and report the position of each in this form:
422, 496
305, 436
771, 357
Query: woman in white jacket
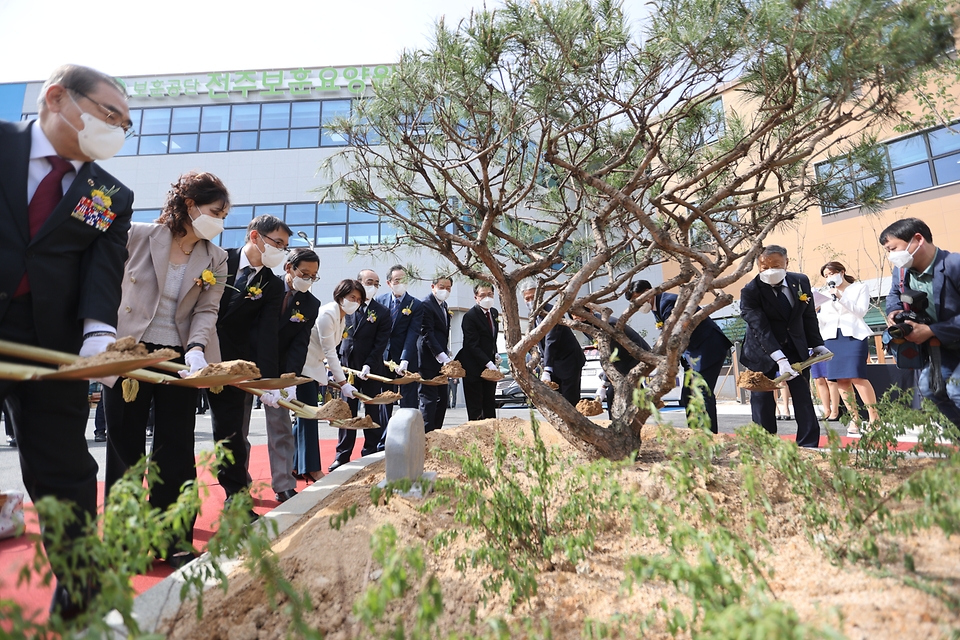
845, 334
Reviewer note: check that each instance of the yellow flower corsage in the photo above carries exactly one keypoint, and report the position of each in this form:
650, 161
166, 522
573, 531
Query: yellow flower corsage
659, 324
345, 334
102, 197
254, 292
371, 316
804, 298
406, 311
296, 317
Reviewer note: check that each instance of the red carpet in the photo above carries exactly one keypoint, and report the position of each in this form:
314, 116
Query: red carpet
15, 553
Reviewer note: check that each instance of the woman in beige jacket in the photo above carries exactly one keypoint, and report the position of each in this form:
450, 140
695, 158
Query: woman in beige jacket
172, 284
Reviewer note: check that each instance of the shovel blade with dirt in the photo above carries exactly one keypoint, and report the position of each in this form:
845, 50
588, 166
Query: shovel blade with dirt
755, 381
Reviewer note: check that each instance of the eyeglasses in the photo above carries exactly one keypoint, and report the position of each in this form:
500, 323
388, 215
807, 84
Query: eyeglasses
299, 274
113, 118
278, 244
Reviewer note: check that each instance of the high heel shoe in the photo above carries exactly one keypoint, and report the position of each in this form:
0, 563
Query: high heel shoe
312, 476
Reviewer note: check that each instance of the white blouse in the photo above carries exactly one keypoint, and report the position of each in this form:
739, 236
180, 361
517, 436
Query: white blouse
325, 336
846, 314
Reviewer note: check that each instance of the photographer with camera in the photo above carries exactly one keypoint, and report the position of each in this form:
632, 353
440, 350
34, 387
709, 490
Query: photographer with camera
923, 308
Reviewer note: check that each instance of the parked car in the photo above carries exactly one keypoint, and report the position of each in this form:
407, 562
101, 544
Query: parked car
590, 379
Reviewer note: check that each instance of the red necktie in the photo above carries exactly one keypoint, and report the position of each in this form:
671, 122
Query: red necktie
48, 195
490, 320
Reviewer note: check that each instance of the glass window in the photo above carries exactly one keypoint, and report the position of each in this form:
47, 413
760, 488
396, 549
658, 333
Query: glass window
275, 116
364, 233
275, 139
216, 118
153, 145
239, 216
304, 138
388, 232
331, 235
275, 210
185, 120
183, 143
213, 142
360, 216
305, 114
948, 169
333, 109
129, 147
332, 212
943, 141
908, 151
232, 238
301, 214
331, 139
145, 215
296, 240
155, 121
912, 178
243, 140
245, 117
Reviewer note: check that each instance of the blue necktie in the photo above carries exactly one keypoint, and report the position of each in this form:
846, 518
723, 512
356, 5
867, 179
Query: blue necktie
394, 310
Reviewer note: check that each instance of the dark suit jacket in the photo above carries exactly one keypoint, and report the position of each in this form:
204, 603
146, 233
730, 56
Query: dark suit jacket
479, 343
248, 328
946, 297
562, 353
405, 331
294, 337
74, 269
434, 336
708, 343
626, 361
767, 328
368, 331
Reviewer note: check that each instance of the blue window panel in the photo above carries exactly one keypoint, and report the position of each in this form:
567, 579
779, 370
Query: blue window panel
301, 213
364, 233
276, 139
11, 101
332, 139
145, 215
943, 141
245, 117
388, 232
231, 238
155, 121
215, 118
213, 142
185, 120
183, 143
239, 216
275, 116
912, 178
360, 216
129, 147
304, 138
243, 140
275, 210
948, 169
907, 151
296, 240
305, 114
328, 235
331, 212
335, 109
153, 145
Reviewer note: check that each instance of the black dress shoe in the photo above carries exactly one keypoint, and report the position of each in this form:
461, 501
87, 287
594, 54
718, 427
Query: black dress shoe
12, 442
99, 437
69, 607
181, 559
283, 496
336, 465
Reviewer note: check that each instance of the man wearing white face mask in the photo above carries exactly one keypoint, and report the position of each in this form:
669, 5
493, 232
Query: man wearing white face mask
432, 348
781, 329
66, 223
921, 266
480, 329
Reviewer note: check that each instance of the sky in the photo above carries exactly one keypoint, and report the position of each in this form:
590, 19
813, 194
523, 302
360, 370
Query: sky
151, 37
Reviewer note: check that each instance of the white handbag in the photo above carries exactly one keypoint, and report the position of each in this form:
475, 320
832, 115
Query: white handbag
11, 514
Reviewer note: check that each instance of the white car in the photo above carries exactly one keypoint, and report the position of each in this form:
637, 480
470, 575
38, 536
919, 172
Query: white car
590, 379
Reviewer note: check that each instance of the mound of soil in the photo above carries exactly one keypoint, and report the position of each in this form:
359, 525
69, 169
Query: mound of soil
453, 369
229, 368
491, 375
590, 407
334, 410
125, 348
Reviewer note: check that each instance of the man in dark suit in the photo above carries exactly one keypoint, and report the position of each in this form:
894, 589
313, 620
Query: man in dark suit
920, 265
66, 223
368, 331
781, 329
706, 352
406, 316
247, 328
298, 313
561, 353
432, 353
479, 352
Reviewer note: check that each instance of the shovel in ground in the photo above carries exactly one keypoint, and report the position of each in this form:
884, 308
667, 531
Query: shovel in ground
754, 381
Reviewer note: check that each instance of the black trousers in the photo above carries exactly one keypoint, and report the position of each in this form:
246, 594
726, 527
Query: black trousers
569, 388
433, 406
710, 374
54, 459
347, 438
763, 408
480, 398
173, 438
230, 411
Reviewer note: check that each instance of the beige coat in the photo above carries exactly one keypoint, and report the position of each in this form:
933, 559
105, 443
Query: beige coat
143, 279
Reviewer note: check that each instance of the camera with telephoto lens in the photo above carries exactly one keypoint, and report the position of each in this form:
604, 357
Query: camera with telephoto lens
918, 313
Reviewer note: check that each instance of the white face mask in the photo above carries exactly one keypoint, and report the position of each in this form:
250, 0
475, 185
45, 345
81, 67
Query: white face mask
773, 276
646, 307
301, 285
529, 305
834, 280
349, 306
97, 139
271, 256
441, 294
371, 291
398, 289
903, 259
206, 227
486, 303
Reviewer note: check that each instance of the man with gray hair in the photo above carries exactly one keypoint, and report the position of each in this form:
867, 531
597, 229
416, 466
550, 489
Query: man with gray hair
782, 327
561, 354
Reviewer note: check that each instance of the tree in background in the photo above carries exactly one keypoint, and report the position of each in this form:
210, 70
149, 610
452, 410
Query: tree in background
544, 140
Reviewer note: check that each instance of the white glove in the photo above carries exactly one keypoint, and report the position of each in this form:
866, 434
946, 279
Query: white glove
821, 351
497, 359
545, 376
95, 345
289, 393
194, 360
492, 367
443, 358
785, 368
270, 398
364, 372
347, 389
601, 394
402, 367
